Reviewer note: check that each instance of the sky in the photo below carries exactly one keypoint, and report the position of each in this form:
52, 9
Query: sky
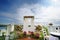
44, 11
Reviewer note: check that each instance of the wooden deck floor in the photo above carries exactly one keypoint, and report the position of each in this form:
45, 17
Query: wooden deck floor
27, 39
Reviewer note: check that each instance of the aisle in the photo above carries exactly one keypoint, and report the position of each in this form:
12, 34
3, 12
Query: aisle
26, 38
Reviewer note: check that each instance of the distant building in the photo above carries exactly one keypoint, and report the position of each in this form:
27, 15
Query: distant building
3, 29
6, 29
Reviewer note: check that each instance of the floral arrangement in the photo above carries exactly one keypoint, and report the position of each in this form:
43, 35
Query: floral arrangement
30, 34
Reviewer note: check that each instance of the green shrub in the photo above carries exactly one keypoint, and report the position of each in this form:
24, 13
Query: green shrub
2, 37
46, 30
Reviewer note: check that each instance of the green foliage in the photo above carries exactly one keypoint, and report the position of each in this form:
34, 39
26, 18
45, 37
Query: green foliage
2, 37
41, 38
38, 28
46, 30
41, 34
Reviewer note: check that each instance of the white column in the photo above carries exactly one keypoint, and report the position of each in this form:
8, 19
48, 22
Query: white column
8, 32
25, 26
12, 27
32, 25
0, 33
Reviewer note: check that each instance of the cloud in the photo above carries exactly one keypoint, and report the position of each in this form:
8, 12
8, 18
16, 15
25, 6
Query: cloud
10, 18
55, 3
42, 14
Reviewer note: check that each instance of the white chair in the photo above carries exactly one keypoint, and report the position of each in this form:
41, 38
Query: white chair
52, 38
